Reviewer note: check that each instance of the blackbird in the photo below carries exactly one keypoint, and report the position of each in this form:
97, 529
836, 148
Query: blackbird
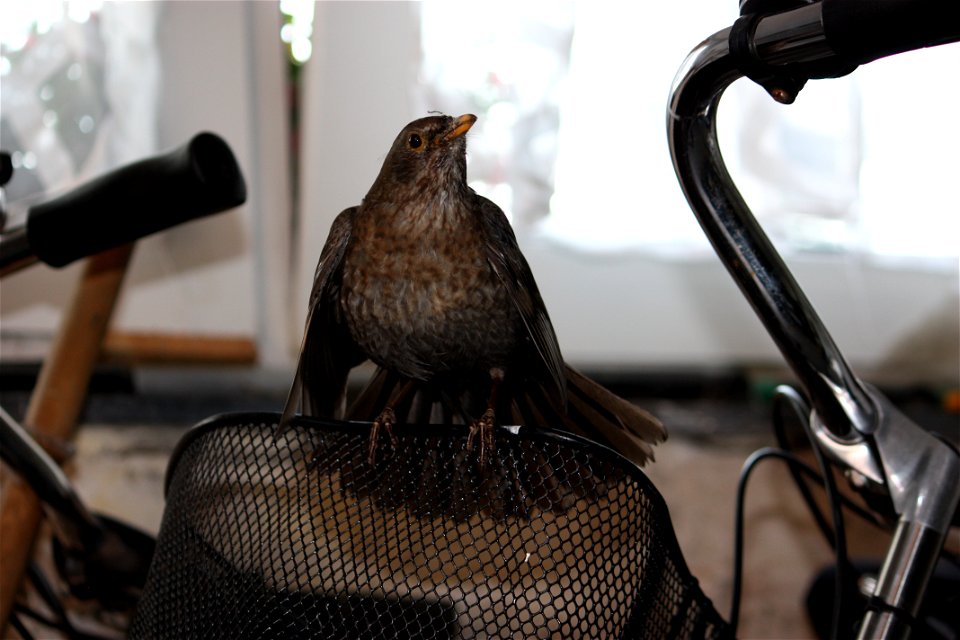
425, 279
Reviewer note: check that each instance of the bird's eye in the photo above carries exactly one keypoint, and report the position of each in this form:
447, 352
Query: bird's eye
415, 141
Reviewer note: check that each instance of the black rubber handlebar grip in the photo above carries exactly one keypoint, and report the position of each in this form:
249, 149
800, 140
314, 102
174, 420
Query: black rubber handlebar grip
860, 31
197, 179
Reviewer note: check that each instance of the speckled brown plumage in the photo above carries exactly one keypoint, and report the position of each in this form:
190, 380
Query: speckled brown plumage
425, 278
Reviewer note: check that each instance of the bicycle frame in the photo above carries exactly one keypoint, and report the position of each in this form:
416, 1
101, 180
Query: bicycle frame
854, 424
106, 558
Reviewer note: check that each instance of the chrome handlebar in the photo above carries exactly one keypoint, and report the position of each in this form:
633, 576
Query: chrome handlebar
853, 422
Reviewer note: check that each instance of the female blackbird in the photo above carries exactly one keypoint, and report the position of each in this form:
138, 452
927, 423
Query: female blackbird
425, 278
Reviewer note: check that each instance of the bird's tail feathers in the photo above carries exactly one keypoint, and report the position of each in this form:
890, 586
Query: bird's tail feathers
629, 429
593, 412
590, 410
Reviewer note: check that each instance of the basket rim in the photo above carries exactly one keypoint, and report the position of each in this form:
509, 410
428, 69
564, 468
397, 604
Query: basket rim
523, 432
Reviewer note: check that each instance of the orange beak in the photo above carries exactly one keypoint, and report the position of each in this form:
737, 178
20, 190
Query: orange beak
460, 126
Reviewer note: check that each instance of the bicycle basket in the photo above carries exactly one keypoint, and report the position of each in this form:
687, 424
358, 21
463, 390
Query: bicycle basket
298, 535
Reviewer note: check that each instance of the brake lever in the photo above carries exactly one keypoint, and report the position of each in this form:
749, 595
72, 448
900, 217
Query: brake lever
896, 466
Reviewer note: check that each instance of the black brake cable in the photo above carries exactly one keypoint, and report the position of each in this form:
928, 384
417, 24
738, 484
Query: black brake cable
751, 463
799, 468
837, 537
801, 410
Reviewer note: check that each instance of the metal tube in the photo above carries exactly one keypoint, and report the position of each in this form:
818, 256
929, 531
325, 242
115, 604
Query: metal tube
903, 579
836, 393
47, 479
791, 36
15, 251
913, 464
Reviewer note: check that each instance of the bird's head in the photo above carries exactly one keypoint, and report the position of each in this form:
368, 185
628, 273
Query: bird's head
429, 153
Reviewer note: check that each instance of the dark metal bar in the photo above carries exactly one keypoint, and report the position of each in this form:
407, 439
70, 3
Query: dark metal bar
15, 251
746, 251
902, 581
46, 478
861, 430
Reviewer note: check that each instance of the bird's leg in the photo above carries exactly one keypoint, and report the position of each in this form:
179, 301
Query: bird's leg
483, 428
387, 419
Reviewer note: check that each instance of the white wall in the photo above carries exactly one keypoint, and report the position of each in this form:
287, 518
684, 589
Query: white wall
223, 71
894, 323
357, 97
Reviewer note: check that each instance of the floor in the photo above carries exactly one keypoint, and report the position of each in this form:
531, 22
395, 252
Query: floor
119, 469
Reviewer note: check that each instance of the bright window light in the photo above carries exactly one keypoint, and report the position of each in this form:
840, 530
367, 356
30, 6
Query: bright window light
297, 29
572, 98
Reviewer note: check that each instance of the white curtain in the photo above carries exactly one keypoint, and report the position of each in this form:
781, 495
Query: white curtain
573, 96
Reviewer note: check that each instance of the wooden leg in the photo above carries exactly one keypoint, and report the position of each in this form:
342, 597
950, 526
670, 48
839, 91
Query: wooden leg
56, 404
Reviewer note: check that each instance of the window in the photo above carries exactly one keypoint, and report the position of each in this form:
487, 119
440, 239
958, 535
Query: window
506, 62
573, 98
79, 90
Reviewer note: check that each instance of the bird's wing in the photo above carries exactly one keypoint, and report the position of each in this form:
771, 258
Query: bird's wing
506, 259
327, 352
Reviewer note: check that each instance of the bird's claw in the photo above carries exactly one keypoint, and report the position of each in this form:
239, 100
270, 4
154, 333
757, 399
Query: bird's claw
385, 421
482, 428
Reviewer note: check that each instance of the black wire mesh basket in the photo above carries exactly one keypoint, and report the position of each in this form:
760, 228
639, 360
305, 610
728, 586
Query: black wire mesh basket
298, 535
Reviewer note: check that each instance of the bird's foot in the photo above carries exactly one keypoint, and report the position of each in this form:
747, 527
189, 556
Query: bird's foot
482, 429
385, 421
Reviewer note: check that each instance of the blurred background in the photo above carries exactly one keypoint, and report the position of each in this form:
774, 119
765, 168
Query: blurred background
854, 183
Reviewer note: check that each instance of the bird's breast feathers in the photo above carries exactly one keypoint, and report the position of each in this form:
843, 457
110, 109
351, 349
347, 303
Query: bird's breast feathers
415, 299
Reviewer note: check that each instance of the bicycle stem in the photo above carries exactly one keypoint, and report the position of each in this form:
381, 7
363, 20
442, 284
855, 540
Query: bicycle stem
837, 395
852, 421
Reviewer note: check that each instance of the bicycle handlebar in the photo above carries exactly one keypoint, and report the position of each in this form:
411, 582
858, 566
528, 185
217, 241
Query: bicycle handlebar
782, 50
865, 432
860, 31
197, 179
